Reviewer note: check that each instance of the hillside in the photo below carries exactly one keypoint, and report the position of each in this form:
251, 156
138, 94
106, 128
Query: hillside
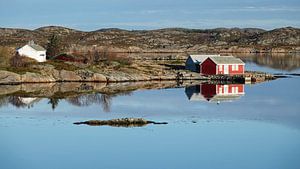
248, 40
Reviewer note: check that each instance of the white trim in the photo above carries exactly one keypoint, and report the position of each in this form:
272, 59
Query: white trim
226, 69
220, 67
231, 64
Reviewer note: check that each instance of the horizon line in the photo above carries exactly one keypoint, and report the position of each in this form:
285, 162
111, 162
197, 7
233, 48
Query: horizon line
124, 29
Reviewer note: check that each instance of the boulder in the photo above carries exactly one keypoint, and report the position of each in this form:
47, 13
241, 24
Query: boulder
30, 77
7, 77
66, 76
97, 77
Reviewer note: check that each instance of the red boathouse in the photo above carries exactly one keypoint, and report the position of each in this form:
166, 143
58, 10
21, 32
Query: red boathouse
227, 65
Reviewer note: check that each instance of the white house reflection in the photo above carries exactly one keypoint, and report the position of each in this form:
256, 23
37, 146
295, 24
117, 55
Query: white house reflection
215, 92
22, 102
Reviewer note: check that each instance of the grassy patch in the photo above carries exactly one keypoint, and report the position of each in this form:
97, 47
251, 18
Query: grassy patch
6, 54
60, 65
21, 70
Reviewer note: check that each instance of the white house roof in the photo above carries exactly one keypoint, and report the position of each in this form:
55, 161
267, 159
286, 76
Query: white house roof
225, 98
200, 58
37, 47
226, 60
34, 46
196, 97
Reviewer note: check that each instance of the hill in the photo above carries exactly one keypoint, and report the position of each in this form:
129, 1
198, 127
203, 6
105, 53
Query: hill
247, 40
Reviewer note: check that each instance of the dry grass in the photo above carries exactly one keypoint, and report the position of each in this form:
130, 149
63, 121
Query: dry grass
6, 54
62, 65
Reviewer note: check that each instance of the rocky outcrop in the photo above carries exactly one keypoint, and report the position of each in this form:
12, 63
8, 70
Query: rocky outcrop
30, 77
7, 77
46, 75
68, 76
124, 122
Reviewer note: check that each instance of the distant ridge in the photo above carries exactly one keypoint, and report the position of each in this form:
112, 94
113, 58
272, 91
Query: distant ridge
247, 40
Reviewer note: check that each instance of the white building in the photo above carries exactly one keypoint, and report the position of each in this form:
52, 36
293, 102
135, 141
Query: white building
33, 51
193, 62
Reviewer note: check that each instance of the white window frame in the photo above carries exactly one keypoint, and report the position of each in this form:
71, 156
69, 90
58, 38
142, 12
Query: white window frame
220, 90
235, 67
220, 68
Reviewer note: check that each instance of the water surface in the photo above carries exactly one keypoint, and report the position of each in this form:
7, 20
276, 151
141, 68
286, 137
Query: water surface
258, 127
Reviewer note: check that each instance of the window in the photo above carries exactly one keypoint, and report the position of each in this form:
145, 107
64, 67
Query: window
234, 90
235, 67
220, 67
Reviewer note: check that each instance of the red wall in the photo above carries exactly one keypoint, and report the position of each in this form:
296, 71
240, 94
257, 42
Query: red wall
235, 72
208, 91
208, 67
231, 71
218, 70
240, 89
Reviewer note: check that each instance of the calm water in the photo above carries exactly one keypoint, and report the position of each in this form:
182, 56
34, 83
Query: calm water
256, 127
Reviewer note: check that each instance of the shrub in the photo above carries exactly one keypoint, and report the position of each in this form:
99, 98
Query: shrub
95, 56
18, 61
109, 57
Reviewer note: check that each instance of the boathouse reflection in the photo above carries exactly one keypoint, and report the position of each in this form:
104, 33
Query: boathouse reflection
216, 93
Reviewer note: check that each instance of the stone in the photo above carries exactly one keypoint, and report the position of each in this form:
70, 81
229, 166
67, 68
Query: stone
7, 77
97, 77
67, 76
30, 77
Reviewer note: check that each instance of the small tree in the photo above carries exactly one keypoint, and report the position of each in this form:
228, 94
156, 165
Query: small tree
96, 56
54, 46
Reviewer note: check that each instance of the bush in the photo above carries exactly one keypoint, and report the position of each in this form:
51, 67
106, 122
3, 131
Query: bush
18, 61
104, 55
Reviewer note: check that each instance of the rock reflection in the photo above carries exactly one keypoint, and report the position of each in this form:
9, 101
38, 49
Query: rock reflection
215, 93
77, 94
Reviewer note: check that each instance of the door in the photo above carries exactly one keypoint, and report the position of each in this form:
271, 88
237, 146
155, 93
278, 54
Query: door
226, 69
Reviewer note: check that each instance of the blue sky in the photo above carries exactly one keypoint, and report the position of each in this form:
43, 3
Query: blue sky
141, 14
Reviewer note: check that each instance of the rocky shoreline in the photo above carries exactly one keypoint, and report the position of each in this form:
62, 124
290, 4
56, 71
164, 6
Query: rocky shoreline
11, 78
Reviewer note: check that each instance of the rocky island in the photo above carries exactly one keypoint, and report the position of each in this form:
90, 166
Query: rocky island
53, 71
